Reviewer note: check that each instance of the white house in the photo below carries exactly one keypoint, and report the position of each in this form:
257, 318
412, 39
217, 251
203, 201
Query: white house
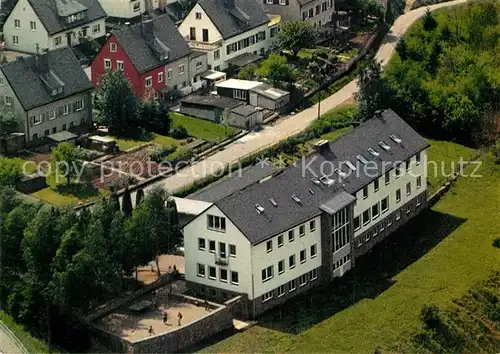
317, 12
232, 32
123, 9
52, 24
271, 234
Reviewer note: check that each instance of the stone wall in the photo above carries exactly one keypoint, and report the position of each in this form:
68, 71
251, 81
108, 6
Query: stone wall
183, 337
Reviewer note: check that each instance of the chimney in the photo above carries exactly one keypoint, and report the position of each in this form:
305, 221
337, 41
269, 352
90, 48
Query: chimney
41, 60
229, 4
322, 146
147, 28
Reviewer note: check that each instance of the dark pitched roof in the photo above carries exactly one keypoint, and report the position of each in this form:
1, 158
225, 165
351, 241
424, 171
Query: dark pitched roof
212, 101
143, 49
233, 20
33, 87
315, 196
48, 12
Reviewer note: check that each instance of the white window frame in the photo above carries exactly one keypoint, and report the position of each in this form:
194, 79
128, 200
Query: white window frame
365, 195
136, 6
113, 47
312, 225
292, 285
120, 65
419, 182
235, 282
292, 257
369, 216
280, 241
96, 28
303, 280
198, 270
387, 178
210, 242
269, 273
239, 94
292, 234
282, 2
198, 15
52, 114
419, 201
269, 2
65, 109
267, 296
78, 103
182, 69
107, 64
38, 119
33, 26
384, 210
9, 101
200, 247
220, 275
376, 185
418, 157
269, 246
302, 230
17, 23
281, 290
160, 77
398, 199
313, 275
148, 82
217, 54
216, 220
169, 73
302, 261
15, 40
199, 64
283, 270
359, 223
408, 188
231, 254
398, 214
315, 248
209, 276
374, 216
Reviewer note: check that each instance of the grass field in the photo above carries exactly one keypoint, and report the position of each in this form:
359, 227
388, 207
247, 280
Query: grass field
438, 256
125, 144
31, 344
202, 129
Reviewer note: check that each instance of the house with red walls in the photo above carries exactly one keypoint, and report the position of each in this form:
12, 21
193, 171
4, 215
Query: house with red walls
154, 57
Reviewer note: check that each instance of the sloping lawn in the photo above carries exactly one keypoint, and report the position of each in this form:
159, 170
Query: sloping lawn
202, 129
438, 256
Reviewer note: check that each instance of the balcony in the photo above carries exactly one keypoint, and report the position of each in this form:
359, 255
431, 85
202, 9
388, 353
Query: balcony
221, 260
204, 45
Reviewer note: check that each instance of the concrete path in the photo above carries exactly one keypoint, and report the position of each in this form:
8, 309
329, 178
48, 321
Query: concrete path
9, 344
290, 125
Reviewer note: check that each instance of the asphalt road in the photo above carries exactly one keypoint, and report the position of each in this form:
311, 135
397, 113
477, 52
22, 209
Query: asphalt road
291, 124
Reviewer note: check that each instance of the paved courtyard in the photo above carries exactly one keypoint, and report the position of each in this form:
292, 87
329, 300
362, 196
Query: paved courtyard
134, 326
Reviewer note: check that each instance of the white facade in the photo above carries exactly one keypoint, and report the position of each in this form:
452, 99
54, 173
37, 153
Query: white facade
416, 173
123, 8
248, 261
318, 12
23, 30
197, 24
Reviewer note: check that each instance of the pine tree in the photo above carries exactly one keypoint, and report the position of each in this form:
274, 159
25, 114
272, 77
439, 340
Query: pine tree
126, 203
139, 196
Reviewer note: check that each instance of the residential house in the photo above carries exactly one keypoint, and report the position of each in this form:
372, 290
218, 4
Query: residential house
154, 57
232, 32
317, 12
282, 233
50, 93
124, 9
52, 24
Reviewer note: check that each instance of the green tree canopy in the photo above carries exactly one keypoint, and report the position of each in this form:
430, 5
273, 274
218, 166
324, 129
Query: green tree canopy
276, 69
296, 35
10, 172
9, 121
66, 161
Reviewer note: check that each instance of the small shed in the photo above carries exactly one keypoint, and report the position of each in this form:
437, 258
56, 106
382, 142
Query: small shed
207, 107
246, 116
103, 143
269, 97
63, 137
236, 89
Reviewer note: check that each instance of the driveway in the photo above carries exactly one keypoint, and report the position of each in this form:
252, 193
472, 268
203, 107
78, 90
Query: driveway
290, 125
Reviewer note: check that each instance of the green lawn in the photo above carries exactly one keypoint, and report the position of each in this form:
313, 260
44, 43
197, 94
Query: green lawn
202, 129
125, 144
31, 344
437, 257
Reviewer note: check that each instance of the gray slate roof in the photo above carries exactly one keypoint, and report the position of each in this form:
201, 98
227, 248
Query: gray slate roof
29, 87
140, 53
212, 101
230, 21
47, 12
296, 180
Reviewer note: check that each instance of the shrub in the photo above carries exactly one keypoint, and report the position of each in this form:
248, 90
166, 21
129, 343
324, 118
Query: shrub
88, 155
159, 154
496, 243
430, 316
179, 132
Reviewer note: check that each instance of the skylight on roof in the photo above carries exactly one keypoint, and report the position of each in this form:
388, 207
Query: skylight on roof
296, 199
340, 173
311, 191
350, 165
384, 146
362, 159
260, 209
327, 181
395, 138
273, 202
373, 152
315, 181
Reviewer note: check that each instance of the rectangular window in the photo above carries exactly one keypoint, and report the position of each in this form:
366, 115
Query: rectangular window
107, 64
419, 200
63, 127
418, 158
160, 77
270, 2
35, 119
234, 278
137, 7
387, 177
201, 270
375, 211
281, 266
302, 230
79, 105
267, 296
216, 223
232, 251
408, 165
96, 28
169, 73
292, 286
311, 13
375, 185
201, 244
397, 170
281, 290
217, 54
223, 275
212, 273
17, 23
318, 9
222, 249
303, 256
267, 273
269, 246
314, 251
291, 261
198, 15
199, 64
113, 47
240, 94
365, 192
303, 279
384, 204
357, 224
119, 64
8, 101
408, 188
149, 81
398, 195
291, 236
304, 16
211, 246
312, 225
181, 69
33, 25
419, 182
65, 110
366, 216
192, 33
398, 215
408, 209
280, 241
52, 114
15, 40
313, 275
204, 35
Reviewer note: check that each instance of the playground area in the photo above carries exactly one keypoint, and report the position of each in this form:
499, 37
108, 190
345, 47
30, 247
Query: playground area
148, 274
133, 322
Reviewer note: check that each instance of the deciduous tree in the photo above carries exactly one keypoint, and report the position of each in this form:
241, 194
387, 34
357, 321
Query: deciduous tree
66, 161
296, 35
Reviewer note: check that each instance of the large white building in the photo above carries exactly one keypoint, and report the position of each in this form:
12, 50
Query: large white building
125, 9
52, 24
232, 32
271, 234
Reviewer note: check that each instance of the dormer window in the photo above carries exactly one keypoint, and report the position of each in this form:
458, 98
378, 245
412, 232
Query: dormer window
75, 17
113, 47
54, 92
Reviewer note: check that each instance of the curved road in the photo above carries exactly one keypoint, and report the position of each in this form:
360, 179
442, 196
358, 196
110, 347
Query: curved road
293, 124
9, 344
